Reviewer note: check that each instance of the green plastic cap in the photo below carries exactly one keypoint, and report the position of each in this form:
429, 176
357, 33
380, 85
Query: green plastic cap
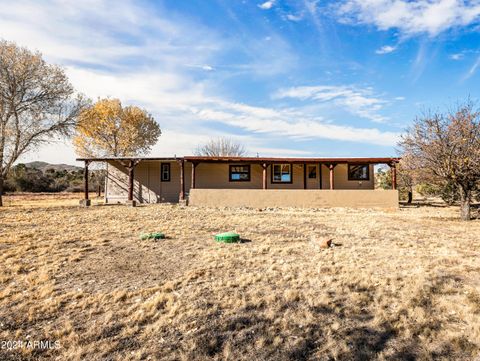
154, 235
227, 237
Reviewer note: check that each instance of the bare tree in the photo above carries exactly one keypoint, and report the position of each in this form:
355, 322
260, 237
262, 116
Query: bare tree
36, 104
221, 147
406, 177
446, 149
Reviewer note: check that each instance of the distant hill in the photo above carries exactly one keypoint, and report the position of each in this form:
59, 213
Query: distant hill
43, 166
46, 177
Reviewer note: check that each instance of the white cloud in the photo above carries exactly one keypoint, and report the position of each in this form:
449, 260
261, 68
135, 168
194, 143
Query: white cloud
291, 123
280, 152
458, 56
293, 17
95, 33
386, 49
185, 109
361, 102
411, 17
267, 5
311, 6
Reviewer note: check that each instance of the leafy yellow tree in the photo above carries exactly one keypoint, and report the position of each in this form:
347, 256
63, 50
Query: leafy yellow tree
108, 129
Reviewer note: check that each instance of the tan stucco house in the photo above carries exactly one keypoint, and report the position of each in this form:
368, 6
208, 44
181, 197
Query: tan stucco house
246, 181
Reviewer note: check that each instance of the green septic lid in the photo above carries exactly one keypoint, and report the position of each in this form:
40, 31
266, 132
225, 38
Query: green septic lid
227, 237
154, 235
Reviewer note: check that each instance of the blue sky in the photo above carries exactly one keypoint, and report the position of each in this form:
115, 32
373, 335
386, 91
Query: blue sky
286, 78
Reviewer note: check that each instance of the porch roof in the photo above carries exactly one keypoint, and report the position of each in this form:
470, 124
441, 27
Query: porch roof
205, 159
102, 159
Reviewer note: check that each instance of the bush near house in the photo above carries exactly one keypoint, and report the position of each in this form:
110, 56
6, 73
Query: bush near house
45, 177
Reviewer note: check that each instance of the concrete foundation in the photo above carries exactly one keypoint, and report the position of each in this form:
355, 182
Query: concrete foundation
261, 198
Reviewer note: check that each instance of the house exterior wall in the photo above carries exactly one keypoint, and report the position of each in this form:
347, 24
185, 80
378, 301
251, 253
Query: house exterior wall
340, 178
148, 187
216, 176
261, 198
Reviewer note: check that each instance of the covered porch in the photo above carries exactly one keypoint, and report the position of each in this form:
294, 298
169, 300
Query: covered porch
194, 179
306, 165
289, 182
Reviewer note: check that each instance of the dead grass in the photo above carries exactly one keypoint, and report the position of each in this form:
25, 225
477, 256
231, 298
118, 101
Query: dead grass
396, 286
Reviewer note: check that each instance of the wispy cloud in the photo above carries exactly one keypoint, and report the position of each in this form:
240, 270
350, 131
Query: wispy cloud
293, 17
118, 33
386, 49
457, 56
177, 106
294, 124
411, 17
267, 5
358, 101
473, 69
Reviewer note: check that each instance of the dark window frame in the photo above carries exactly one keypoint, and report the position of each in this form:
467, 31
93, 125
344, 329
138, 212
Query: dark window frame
169, 172
239, 180
310, 166
350, 178
281, 182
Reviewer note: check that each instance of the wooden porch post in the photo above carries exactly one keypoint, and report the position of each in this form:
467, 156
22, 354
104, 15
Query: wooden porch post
194, 165
264, 175
131, 175
85, 180
304, 176
182, 181
85, 201
320, 185
393, 167
331, 166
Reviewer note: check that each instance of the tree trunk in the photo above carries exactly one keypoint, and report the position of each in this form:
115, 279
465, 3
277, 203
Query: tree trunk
1, 190
410, 197
465, 198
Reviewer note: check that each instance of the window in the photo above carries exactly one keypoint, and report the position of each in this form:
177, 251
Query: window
239, 173
358, 172
282, 173
312, 171
165, 172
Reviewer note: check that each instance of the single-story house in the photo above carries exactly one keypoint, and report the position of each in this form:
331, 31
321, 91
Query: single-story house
246, 181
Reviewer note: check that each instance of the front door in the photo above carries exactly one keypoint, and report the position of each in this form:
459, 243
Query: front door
313, 176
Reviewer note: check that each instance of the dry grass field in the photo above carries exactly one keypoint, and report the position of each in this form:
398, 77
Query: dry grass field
395, 286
